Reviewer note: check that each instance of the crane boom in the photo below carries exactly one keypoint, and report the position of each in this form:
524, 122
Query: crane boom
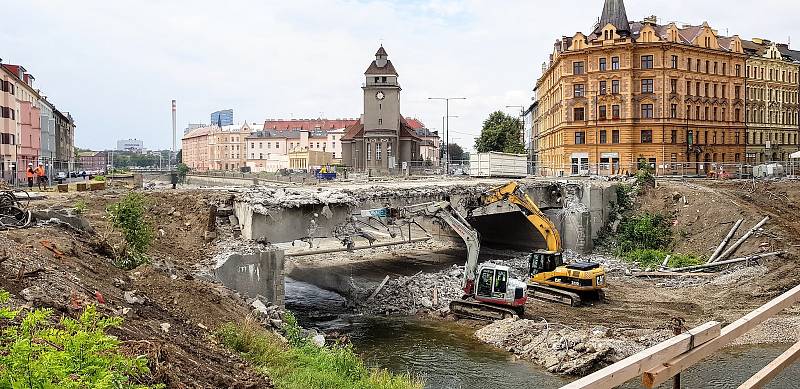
515, 195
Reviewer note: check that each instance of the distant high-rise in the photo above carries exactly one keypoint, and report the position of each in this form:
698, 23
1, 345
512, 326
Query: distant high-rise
222, 118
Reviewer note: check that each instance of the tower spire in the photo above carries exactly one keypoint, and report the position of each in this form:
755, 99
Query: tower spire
614, 13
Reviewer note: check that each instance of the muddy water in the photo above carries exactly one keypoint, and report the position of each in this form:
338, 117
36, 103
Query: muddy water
447, 356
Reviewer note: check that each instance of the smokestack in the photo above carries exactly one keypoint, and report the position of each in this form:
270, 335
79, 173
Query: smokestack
174, 125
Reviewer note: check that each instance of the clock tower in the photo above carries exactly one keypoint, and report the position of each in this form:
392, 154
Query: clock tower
382, 141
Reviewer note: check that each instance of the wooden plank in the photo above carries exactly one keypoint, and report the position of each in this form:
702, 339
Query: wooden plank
728, 262
769, 372
661, 374
378, 289
631, 367
725, 241
670, 274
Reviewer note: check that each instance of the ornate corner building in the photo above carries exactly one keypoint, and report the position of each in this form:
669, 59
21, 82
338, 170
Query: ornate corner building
772, 101
629, 92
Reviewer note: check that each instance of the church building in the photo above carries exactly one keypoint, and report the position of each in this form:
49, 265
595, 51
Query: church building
382, 141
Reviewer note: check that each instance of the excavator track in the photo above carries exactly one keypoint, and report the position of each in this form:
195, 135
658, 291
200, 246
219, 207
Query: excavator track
480, 311
547, 293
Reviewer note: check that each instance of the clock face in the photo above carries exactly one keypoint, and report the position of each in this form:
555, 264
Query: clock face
380, 96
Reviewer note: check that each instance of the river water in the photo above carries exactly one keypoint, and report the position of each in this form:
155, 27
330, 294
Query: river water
446, 355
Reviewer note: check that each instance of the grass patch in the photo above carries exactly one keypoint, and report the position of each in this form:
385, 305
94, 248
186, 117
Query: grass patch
300, 364
654, 258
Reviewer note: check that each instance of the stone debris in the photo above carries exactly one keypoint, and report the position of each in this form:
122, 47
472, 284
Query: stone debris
564, 350
409, 295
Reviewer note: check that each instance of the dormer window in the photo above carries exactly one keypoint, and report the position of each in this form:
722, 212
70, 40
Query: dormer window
383, 79
377, 79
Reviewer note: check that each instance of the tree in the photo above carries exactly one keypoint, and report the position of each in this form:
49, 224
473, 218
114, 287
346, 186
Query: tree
455, 151
502, 133
179, 156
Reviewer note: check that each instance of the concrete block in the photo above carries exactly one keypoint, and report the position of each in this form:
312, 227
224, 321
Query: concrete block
82, 186
62, 188
97, 185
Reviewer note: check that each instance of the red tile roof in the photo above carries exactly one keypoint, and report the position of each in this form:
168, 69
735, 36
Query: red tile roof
352, 132
387, 69
414, 123
308, 124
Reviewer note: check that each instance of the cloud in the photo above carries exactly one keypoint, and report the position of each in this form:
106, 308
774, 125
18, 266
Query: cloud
115, 65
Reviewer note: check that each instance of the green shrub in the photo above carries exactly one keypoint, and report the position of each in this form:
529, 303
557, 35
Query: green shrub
99, 178
654, 258
302, 365
644, 231
128, 216
80, 207
34, 353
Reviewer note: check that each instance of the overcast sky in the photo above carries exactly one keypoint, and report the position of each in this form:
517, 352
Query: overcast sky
115, 65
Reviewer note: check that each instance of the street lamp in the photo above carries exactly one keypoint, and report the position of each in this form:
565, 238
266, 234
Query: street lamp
447, 144
447, 129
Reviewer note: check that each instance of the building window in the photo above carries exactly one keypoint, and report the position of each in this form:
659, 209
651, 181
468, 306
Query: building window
369, 152
724, 69
737, 91
603, 87
580, 138
601, 112
724, 91
615, 87
673, 85
647, 136
252, 145
602, 64
689, 64
674, 136
377, 151
614, 63
674, 61
277, 145
647, 86
739, 71
673, 112
688, 88
647, 62
647, 111
738, 115
577, 68
708, 65
380, 121
690, 137
615, 111
579, 114
603, 138
715, 114
615, 136
579, 90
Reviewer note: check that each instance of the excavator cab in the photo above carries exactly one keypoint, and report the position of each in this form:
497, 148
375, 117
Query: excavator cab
544, 261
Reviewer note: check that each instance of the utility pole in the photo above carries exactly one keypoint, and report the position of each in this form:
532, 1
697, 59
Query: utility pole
447, 130
174, 131
445, 119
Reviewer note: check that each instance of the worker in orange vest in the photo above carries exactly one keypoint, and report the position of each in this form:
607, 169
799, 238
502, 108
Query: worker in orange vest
29, 174
41, 176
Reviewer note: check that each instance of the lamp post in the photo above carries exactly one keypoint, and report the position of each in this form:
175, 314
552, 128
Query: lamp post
447, 128
445, 120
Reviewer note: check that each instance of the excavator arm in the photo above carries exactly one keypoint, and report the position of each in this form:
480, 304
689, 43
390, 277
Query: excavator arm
515, 195
443, 210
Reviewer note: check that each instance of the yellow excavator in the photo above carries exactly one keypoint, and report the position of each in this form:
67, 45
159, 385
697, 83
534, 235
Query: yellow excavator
549, 279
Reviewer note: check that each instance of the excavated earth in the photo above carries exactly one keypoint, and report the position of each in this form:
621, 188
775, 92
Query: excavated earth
174, 289
169, 314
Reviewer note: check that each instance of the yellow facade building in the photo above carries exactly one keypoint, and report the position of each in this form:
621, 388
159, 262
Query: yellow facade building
672, 96
772, 101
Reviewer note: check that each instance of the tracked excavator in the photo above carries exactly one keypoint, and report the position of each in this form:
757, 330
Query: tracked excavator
549, 279
489, 291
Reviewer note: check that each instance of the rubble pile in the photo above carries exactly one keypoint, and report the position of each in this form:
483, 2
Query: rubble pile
565, 350
422, 292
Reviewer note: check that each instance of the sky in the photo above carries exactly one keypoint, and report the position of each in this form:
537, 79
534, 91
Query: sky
116, 65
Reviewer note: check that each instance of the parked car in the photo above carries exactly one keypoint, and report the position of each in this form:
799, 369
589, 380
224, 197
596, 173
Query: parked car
61, 176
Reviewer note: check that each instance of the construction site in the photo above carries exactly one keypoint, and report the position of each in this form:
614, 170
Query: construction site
456, 282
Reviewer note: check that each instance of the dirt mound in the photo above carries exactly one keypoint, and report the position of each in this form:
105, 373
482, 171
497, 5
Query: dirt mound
169, 314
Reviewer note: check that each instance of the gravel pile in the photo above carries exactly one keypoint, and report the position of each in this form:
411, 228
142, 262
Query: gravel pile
430, 292
564, 350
